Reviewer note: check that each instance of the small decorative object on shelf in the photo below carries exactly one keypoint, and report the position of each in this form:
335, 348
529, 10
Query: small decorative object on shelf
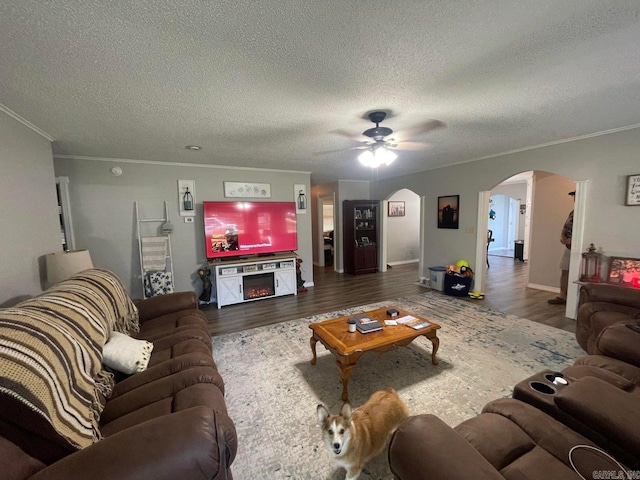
591, 265
187, 200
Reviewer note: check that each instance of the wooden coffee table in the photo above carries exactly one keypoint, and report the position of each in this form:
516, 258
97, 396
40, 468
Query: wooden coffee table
349, 347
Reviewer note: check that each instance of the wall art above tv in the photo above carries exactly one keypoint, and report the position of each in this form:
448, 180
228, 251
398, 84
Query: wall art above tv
238, 229
247, 190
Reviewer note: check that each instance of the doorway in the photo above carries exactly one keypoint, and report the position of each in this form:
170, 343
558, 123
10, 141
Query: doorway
327, 222
504, 223
545, 210
401, 234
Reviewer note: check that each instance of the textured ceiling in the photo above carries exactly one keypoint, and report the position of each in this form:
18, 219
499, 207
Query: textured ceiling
274, 84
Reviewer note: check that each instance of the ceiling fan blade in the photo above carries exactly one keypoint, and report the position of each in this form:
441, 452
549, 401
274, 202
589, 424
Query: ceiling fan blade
345, 133
411, 145
423, 128
327, 152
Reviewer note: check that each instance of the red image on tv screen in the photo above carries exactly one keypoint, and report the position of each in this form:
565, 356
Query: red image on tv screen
235, 229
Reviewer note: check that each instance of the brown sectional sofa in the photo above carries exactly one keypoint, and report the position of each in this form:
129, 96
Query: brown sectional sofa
169, 421
589, 424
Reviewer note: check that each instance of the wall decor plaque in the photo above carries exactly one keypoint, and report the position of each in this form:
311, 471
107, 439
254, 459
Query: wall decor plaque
633, 190
247, 190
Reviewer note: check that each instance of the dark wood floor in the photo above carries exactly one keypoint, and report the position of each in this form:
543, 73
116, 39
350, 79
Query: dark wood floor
506, 291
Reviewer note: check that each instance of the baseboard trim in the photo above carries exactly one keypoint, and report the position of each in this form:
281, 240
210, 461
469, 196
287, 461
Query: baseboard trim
545, 288
403, 262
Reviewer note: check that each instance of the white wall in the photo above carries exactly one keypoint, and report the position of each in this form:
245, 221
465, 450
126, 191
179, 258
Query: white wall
403, 233
551, 206
605, 161
28, 209
517, 191
104, 218
500, 224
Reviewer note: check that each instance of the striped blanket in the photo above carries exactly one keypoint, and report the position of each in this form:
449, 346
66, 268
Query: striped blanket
51, 353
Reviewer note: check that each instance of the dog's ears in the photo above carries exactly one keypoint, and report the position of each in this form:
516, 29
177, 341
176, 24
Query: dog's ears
322, 413
346, 411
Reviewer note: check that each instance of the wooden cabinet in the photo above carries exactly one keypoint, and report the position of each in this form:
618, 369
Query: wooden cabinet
360, 236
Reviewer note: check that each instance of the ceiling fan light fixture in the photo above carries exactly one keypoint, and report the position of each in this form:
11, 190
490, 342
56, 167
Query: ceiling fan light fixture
375, 157
385, 156
366, 158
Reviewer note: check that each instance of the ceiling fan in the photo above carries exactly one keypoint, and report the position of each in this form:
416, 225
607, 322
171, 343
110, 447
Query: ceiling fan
377, 150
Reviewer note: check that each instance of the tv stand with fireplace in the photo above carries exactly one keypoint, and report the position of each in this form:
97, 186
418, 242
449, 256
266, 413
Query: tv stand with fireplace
245, 280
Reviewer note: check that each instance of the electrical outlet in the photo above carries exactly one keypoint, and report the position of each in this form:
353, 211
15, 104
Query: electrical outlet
188, 219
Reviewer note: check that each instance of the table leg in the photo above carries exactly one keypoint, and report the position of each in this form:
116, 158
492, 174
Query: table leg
435, 342
313, 342
345, 372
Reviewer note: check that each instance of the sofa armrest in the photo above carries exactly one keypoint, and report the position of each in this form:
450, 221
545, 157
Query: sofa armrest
601, 292
621, 342
185, 444
608, 410
163, 304
426, 447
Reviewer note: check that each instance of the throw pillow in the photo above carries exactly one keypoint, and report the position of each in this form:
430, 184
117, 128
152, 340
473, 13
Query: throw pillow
158, 283
126, 354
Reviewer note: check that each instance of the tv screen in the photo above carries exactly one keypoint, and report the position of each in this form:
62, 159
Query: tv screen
235, 229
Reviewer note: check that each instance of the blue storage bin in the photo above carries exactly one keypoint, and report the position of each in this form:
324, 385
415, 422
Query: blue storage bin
436, 277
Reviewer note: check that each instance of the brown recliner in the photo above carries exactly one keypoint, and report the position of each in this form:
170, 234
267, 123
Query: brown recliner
601, 306
607, 328
577, 428
508, 440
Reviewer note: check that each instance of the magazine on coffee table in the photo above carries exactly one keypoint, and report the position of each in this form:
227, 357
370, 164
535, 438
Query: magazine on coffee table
418, 324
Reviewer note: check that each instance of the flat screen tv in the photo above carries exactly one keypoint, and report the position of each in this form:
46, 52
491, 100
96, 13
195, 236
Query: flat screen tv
238, 229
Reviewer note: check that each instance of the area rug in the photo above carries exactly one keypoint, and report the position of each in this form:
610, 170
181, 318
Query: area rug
272, 390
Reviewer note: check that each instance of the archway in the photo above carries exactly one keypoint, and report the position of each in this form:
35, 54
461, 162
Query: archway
547, 205
401, 229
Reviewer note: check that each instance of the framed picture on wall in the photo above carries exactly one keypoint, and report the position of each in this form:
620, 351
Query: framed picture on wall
448, 211
633, 190
395, 209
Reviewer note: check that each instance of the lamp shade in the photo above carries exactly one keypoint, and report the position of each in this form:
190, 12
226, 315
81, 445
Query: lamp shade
62, 265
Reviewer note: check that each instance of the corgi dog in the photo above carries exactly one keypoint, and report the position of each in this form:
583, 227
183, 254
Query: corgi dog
353, 437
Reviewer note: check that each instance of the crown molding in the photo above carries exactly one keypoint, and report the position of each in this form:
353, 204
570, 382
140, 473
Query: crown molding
26, 123
172, 164
549, 144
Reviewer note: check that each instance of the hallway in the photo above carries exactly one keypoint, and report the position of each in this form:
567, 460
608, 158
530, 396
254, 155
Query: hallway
507, 292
